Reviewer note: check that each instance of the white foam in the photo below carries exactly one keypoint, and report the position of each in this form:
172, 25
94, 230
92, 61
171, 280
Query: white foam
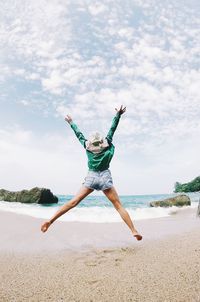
88, 214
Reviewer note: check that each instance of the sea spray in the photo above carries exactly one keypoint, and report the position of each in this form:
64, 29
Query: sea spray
98, 209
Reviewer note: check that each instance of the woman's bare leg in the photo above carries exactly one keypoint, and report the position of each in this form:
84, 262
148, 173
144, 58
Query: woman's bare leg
83, 192
114, 198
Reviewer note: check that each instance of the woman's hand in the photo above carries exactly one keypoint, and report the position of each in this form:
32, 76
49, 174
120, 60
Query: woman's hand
45, 226
121, 110
68, 119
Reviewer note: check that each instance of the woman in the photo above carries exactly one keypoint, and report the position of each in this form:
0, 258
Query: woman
100, 152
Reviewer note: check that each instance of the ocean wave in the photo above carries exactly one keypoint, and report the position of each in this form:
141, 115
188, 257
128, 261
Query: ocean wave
93, 214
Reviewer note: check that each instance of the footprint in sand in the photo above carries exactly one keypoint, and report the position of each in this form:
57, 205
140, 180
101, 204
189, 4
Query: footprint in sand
91, 263
118, 261
108, 251
91, 282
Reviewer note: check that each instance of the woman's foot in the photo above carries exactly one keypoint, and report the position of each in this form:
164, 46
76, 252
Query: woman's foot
137, 235
45, 226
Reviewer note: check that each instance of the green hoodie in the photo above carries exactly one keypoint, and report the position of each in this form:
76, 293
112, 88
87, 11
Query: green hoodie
99, 161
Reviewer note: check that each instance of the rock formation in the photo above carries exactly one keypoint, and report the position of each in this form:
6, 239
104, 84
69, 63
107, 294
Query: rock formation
179, 201
35, 195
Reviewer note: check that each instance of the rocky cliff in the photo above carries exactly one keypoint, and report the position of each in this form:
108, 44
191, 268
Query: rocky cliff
35, 195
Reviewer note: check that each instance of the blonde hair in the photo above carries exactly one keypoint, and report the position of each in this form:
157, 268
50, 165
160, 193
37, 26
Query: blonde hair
96, 143
95, 137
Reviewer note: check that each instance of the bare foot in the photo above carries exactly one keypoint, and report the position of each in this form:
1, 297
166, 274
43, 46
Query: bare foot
138, 237
45, 226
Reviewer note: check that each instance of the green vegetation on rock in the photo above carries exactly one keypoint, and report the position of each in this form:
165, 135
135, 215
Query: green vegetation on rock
192, 186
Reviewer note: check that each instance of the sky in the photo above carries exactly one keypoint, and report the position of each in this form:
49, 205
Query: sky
85, 58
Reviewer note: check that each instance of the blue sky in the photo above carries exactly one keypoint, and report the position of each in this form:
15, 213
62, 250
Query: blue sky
84, 58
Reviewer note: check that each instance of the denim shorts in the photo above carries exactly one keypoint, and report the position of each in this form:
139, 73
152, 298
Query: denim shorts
98, 180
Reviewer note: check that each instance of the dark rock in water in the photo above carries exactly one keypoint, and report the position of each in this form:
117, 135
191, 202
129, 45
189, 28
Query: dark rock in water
198, 209
178, 201
35, 195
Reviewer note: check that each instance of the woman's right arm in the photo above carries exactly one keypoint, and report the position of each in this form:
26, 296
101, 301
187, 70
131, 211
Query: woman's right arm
77, 132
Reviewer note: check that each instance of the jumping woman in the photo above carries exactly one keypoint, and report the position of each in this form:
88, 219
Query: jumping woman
99, 151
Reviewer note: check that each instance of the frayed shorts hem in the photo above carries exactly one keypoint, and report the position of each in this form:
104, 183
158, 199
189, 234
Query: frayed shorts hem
98, 180
103, 189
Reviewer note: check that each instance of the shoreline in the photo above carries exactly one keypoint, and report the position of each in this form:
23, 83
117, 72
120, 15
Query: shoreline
105, 264
23, 233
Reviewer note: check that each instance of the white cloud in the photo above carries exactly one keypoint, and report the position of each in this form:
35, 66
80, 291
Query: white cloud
24, 102
52, 161
97, 8
59, 162
85, 58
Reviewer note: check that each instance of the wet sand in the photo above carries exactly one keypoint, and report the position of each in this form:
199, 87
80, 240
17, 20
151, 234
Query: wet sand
100, 262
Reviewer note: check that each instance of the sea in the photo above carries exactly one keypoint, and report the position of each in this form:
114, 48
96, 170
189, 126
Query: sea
98, 209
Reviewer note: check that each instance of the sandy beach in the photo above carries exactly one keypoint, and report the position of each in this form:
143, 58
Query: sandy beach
100, 262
